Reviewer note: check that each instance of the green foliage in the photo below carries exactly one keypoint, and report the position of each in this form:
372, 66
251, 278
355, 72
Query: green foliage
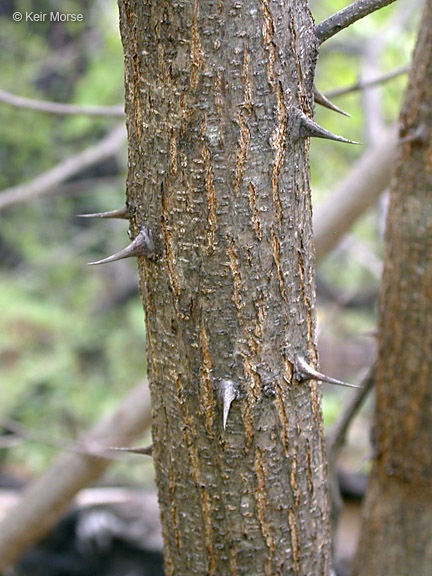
61, 359
66, 354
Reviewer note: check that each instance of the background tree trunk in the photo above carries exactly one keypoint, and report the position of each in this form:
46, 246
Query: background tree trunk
219, 173
397, 531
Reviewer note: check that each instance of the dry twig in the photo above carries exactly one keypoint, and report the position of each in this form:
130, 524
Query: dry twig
43, 184
366, 84
59, 108
45, 500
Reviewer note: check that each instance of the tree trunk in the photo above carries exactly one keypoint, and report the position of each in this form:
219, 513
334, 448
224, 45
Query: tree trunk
397, 531
218, 172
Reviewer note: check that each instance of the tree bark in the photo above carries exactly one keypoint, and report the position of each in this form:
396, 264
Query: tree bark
218, 172
397, 532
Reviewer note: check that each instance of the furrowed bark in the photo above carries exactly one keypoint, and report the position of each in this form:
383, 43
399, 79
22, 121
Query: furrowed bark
397, 532
218, 173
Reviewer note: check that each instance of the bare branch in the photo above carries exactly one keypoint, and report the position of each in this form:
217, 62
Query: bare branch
336, 439
9, 441
43, 184
44, 501
358, 192
347, 16
57, 108
66, 445
337, 435
366, 84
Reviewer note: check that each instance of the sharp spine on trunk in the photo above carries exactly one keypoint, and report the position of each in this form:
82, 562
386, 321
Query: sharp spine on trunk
147, 450
142, 245
122, 213
306, 372
228, 391
321, 99
308, 128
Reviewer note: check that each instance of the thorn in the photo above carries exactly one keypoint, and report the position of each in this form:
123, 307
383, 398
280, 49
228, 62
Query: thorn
307, 128
142, 245
147, 450
321, 99
228, 391
306, 372
122, 213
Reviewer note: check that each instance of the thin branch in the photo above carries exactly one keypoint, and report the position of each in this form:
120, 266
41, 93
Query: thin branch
366, 84
45, 500
347, 16
373, 123
75, 188
361, 188
57, 108
43, 184
336, 439
65, 445
9, 441
337, 435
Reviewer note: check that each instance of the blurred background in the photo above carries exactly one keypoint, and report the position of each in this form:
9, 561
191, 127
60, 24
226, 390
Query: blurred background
72, 338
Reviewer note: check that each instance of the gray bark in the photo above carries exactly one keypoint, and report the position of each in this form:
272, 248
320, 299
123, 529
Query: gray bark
219, 173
